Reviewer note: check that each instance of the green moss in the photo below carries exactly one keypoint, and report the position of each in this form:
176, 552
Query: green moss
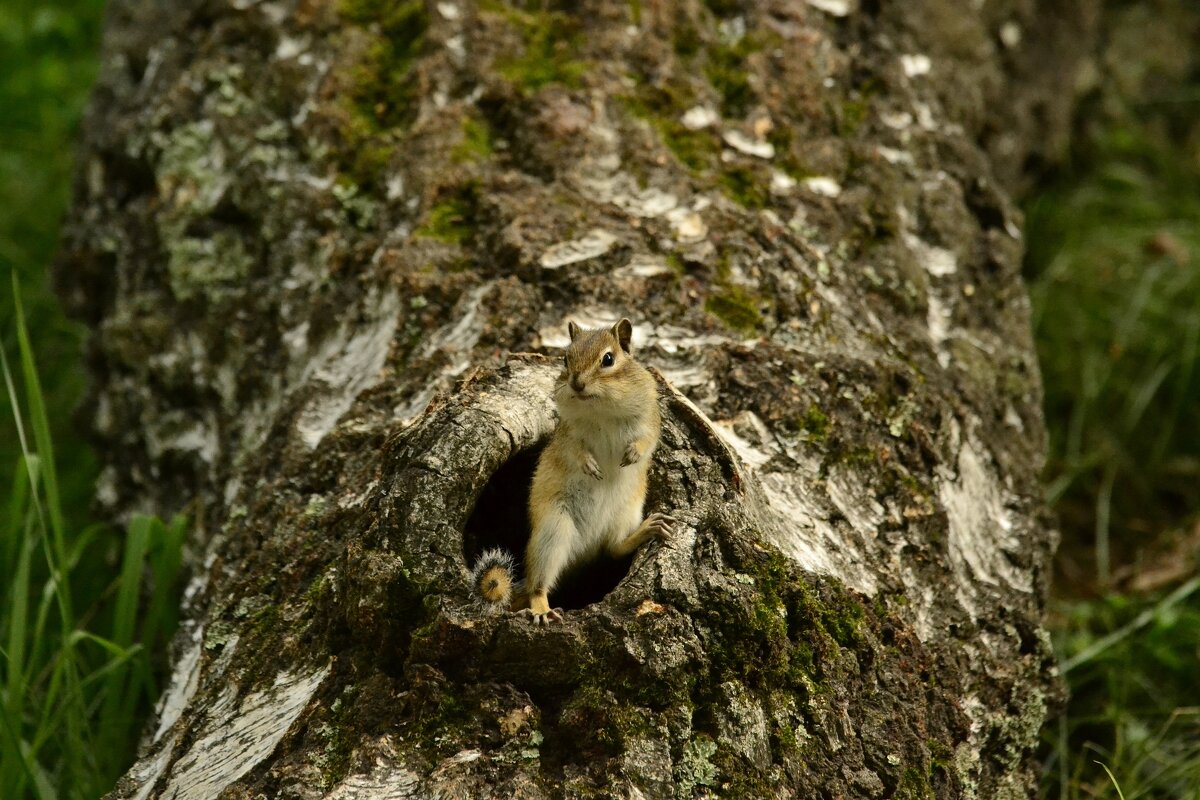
635, 12
741, 779
676, 690
754, 648
784, 738
785, 643
853, 112
724, 8
476, 143
321, 589
337, 732
843, 622
742, 185
452, 217
442, 714
802, 660
815, 422
854, 109
595, 711
941, 757
727, 72
385, 92
264, 623
663, 107
382, 92
788, 638
696, 149
737, 308
914, 785
686, 39
266, 619
551, 38
370, 157
782, 138
724, 266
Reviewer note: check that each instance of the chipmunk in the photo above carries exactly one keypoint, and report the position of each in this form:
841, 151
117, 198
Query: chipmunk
590, 483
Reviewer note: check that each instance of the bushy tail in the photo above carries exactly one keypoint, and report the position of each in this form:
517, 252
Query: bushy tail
493, 579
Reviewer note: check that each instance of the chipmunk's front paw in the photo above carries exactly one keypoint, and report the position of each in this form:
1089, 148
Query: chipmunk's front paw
633, 454
591, 467
543, 617
660, 526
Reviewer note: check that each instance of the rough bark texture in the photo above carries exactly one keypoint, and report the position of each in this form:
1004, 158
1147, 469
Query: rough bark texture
309, 237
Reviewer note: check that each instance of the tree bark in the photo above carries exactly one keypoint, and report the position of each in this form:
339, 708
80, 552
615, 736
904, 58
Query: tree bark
329, 251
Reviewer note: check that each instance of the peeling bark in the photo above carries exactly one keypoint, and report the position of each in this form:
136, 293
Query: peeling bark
329, 251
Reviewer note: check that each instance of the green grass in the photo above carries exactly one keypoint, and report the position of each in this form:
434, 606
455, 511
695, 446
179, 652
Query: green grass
1116, 296
1132, 667
80, 643
48, 61
85, 610
1114, 270
81, 632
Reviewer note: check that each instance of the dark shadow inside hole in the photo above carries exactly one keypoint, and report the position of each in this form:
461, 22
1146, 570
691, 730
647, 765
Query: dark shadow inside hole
501, 519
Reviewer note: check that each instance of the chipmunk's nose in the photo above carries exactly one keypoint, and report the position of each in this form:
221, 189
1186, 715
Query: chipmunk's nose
577, 385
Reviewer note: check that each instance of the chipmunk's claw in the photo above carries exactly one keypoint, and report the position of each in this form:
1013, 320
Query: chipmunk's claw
591, 467
661, 526
632, 455
542, 617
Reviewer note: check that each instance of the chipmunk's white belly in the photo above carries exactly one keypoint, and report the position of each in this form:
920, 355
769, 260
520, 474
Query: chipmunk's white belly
601, 509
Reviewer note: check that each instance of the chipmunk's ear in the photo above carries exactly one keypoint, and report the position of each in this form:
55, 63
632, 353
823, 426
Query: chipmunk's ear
623, 331
573, 331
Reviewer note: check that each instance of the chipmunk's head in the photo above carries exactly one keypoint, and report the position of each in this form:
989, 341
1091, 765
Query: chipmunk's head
598, 366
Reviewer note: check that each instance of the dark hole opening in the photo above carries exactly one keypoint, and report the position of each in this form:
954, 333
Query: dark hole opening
501, 519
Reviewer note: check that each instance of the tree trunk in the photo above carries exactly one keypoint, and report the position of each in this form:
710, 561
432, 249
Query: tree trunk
315, 240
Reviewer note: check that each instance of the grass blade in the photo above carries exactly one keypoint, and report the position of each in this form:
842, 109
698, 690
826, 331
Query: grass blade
119, 696
1112, 778
13, 531
162, 614
18, 621
1140, 621
137, 541
39, 421
20, 751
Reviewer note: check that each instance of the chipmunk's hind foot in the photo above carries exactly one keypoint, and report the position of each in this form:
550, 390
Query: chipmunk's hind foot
543, 617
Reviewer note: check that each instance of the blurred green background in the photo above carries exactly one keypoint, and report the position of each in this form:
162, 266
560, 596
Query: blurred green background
1113, 233
48, 62
1113, 264
86, 610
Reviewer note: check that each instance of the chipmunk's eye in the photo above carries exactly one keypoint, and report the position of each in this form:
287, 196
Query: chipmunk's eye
566, 363
607, 361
